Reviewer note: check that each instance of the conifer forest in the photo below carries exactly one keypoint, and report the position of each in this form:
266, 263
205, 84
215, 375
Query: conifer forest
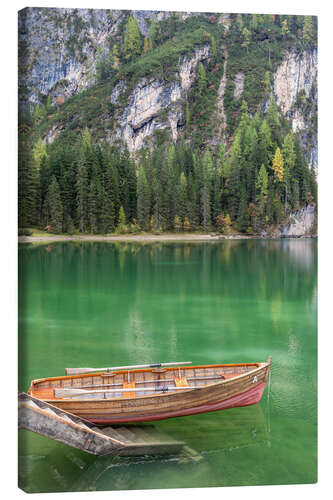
236, 163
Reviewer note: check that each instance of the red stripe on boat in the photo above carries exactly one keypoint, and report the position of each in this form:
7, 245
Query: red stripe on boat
247, 398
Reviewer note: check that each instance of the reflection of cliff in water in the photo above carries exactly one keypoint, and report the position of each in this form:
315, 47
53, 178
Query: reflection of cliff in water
300, 252
66, 469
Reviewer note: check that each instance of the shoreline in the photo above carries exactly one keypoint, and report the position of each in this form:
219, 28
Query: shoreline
148, 238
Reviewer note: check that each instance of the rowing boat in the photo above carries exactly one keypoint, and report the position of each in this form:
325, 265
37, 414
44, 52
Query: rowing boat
158, 392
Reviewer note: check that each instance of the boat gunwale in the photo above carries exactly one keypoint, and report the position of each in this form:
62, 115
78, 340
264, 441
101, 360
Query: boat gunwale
140, 370
259, 366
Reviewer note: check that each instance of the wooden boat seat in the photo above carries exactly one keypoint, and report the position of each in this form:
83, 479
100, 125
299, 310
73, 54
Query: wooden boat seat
181, 382
128, 394
44, 393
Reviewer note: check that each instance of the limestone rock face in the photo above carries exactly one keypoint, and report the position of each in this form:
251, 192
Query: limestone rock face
225, 20
300, 223
152, 97
143, 16
239, 84
64, 46
140, 117
188, 66
119, 88
297, 72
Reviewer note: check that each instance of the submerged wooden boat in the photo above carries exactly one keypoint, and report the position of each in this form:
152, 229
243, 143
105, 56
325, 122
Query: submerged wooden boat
154, 393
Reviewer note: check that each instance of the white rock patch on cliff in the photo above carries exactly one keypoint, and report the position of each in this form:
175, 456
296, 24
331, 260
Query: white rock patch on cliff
300, 222
151, 97
297, 72
239, 84
188, 66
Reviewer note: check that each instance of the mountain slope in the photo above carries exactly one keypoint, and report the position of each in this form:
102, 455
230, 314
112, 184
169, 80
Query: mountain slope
134, 80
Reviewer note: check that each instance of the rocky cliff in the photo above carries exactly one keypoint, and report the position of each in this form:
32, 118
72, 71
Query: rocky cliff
61, 49
63, 46
295, 91
152, 97
301, 222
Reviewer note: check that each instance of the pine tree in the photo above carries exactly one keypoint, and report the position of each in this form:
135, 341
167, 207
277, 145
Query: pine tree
146, 45
93, 207
44, 181
82, 189
267, 81
274, 123
243, 214
246, 35
177, 223
265, 144
202, 79
208, 166
239, 19
143, 199
235, 177
278, 166
294, 197
27, 179
109, 200
131, 183
115, 57
213, 46
171, 180
289, 158
39, 151
205, 208
54, 206
285, 28
262, 189
308, 29
250, 141
181, 201
121, 228
132, 39
155, 33
187, 224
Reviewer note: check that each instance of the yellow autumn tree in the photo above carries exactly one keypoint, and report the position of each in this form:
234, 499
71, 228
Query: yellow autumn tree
277, 165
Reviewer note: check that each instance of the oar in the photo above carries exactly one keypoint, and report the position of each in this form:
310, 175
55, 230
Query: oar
79, 371
81, 392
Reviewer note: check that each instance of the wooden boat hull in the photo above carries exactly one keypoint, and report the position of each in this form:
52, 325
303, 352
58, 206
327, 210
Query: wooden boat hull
242, 389
248, 398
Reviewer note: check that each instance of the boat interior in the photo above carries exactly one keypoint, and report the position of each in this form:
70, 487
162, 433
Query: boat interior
135, 383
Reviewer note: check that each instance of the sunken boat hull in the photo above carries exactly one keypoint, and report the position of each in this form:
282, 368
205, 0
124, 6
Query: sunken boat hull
191, 390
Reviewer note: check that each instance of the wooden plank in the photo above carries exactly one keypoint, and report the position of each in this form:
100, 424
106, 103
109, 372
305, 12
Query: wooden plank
181, 382
128, 385
44, 393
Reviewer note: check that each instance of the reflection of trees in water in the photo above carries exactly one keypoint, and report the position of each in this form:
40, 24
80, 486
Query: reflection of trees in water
139, 338
276, 308
162, 297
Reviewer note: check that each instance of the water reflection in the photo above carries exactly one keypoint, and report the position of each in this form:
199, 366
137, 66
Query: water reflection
105, 304
73, 470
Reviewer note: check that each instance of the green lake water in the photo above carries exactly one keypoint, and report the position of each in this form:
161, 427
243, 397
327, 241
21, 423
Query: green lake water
105, 304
